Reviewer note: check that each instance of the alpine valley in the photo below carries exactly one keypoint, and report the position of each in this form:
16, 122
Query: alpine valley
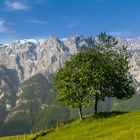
27, 99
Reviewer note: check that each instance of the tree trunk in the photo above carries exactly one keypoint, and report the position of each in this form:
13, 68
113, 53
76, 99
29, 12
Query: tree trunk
96, 105
80, 113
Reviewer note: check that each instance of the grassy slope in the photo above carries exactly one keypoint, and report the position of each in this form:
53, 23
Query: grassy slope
20, 137
119, 127
104, 127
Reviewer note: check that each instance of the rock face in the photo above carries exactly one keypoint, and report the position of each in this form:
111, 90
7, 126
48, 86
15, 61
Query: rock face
25, 69
134, 48
135, 63
29, 57
8, 87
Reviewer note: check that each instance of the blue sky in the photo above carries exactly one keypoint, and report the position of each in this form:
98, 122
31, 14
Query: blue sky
21, 19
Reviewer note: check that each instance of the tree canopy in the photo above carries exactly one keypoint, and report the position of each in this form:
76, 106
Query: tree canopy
99, 70
116, 80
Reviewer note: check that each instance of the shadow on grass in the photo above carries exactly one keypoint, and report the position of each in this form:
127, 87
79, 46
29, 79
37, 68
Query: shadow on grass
42, 133
109, 114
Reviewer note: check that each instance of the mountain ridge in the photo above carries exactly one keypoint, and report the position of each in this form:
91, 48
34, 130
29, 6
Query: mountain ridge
30, 56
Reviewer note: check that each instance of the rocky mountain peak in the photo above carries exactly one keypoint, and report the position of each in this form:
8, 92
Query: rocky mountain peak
30, 56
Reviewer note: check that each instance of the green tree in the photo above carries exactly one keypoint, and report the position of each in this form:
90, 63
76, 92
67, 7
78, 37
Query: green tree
71, 83
98, 71
113, 79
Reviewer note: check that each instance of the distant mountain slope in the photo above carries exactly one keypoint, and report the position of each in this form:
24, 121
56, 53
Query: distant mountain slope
8, 87
35, 108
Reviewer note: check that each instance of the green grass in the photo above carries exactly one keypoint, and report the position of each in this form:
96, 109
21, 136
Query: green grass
105, 126
20, 137
112, 126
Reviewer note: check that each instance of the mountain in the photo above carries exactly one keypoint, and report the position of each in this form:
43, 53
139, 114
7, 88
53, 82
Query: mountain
29, 57
35, 107
27, 99
8, 88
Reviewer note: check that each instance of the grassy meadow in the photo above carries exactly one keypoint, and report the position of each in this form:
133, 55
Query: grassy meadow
105, 126
20, 137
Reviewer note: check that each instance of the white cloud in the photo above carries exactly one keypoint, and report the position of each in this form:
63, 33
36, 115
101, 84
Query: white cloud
38, 21
121, 34
15, 5
73, 24
2, 26
41, 1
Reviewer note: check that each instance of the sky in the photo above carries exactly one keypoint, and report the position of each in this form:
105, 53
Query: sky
24, 19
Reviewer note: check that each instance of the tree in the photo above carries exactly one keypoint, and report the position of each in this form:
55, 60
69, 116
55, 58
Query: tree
115, 80
99, 70
71, 83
